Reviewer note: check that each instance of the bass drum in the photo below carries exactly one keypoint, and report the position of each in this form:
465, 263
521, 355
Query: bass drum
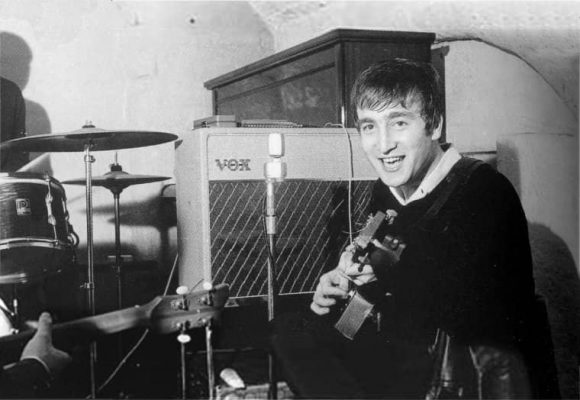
36, 238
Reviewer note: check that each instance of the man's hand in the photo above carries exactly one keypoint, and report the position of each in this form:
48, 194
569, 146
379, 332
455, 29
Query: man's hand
332, 285
360, 275
40, 347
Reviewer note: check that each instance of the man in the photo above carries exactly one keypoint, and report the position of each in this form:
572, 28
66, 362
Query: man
39, 364
457, 295
12, 124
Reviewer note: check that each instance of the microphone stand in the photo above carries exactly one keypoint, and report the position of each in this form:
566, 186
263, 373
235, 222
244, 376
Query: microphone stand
272, 289
274, 171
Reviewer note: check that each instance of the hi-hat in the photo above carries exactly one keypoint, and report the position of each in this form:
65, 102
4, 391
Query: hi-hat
96, 138
117, 180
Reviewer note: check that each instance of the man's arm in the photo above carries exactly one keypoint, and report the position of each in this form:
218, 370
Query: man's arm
39, 363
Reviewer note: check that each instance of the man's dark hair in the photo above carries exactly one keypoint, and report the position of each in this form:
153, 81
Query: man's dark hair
400, 81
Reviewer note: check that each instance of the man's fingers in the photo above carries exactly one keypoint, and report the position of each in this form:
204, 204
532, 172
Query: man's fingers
345, 260
333, 291
333, 284
45, 325
322, 300
318, 309
355, 270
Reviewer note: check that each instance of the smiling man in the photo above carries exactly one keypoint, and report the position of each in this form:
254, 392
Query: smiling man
449, 272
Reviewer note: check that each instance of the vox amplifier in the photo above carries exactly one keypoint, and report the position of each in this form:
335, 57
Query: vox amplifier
221, 192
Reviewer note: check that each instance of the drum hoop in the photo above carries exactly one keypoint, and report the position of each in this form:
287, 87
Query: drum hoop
33, 242
14, 278
41, 180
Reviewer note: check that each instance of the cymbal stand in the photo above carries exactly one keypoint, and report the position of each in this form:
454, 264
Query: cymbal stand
116, 190
183, 338
90, 284
209, 360
15, 314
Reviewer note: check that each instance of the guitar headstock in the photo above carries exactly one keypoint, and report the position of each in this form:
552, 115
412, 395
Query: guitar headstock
188, 311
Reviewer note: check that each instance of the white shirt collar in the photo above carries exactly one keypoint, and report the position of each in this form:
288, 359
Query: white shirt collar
430, 182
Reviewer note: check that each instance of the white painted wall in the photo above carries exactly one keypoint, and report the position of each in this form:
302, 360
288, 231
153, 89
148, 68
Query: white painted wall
125, 65
543, 167
490, 93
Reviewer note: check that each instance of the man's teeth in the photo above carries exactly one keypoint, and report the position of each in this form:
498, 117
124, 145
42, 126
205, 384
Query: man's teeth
392, 160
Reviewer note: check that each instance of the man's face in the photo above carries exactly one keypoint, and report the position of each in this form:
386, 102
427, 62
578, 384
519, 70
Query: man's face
398, 145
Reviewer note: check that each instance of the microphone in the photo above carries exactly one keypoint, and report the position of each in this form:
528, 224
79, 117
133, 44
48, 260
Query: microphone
274, 171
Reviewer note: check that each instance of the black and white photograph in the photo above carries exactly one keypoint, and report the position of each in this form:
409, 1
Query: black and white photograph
317, 199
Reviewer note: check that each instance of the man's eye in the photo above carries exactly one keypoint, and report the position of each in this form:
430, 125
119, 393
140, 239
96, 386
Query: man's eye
366, 127
400, 123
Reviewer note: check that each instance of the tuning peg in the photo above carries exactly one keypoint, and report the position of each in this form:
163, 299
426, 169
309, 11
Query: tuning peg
183, 338
182, 303
182, 290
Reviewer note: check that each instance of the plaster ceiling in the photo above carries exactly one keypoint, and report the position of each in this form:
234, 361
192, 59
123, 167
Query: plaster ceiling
546, 35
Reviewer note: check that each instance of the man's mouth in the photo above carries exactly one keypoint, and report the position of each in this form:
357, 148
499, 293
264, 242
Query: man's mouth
392, 162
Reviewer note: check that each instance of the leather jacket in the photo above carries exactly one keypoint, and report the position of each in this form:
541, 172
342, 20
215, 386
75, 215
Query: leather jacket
481, 372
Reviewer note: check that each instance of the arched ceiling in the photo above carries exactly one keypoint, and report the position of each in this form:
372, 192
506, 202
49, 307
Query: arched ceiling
545, 34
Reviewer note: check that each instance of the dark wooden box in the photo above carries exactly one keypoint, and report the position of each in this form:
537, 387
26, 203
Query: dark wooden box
310, 83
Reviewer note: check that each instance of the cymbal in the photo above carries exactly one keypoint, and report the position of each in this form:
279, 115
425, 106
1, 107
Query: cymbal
117, 180
98, 139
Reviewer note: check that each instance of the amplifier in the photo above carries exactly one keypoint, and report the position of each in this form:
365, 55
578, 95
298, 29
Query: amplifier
220, 195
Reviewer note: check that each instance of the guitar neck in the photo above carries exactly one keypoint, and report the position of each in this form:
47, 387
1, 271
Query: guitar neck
163, 314
67, 334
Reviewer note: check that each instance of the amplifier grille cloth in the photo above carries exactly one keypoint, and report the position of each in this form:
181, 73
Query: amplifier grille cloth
312, 230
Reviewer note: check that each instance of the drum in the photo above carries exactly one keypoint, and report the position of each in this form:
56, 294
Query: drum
35, 236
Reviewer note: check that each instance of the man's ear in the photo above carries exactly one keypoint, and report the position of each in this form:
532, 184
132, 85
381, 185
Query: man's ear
436, 134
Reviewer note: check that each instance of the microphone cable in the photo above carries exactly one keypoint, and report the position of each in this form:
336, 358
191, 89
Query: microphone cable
350, 177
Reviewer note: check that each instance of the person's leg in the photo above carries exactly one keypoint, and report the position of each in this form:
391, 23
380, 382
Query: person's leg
310, 355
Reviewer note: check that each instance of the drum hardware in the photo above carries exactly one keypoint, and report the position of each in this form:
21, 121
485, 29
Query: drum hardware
88, 138
116, 180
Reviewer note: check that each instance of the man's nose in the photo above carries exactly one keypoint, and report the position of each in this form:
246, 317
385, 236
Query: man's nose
386, 142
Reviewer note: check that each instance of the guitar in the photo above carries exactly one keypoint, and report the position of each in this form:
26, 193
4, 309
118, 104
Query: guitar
373, 246
163, 314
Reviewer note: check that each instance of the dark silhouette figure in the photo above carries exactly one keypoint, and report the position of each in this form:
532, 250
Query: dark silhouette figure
15, 60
